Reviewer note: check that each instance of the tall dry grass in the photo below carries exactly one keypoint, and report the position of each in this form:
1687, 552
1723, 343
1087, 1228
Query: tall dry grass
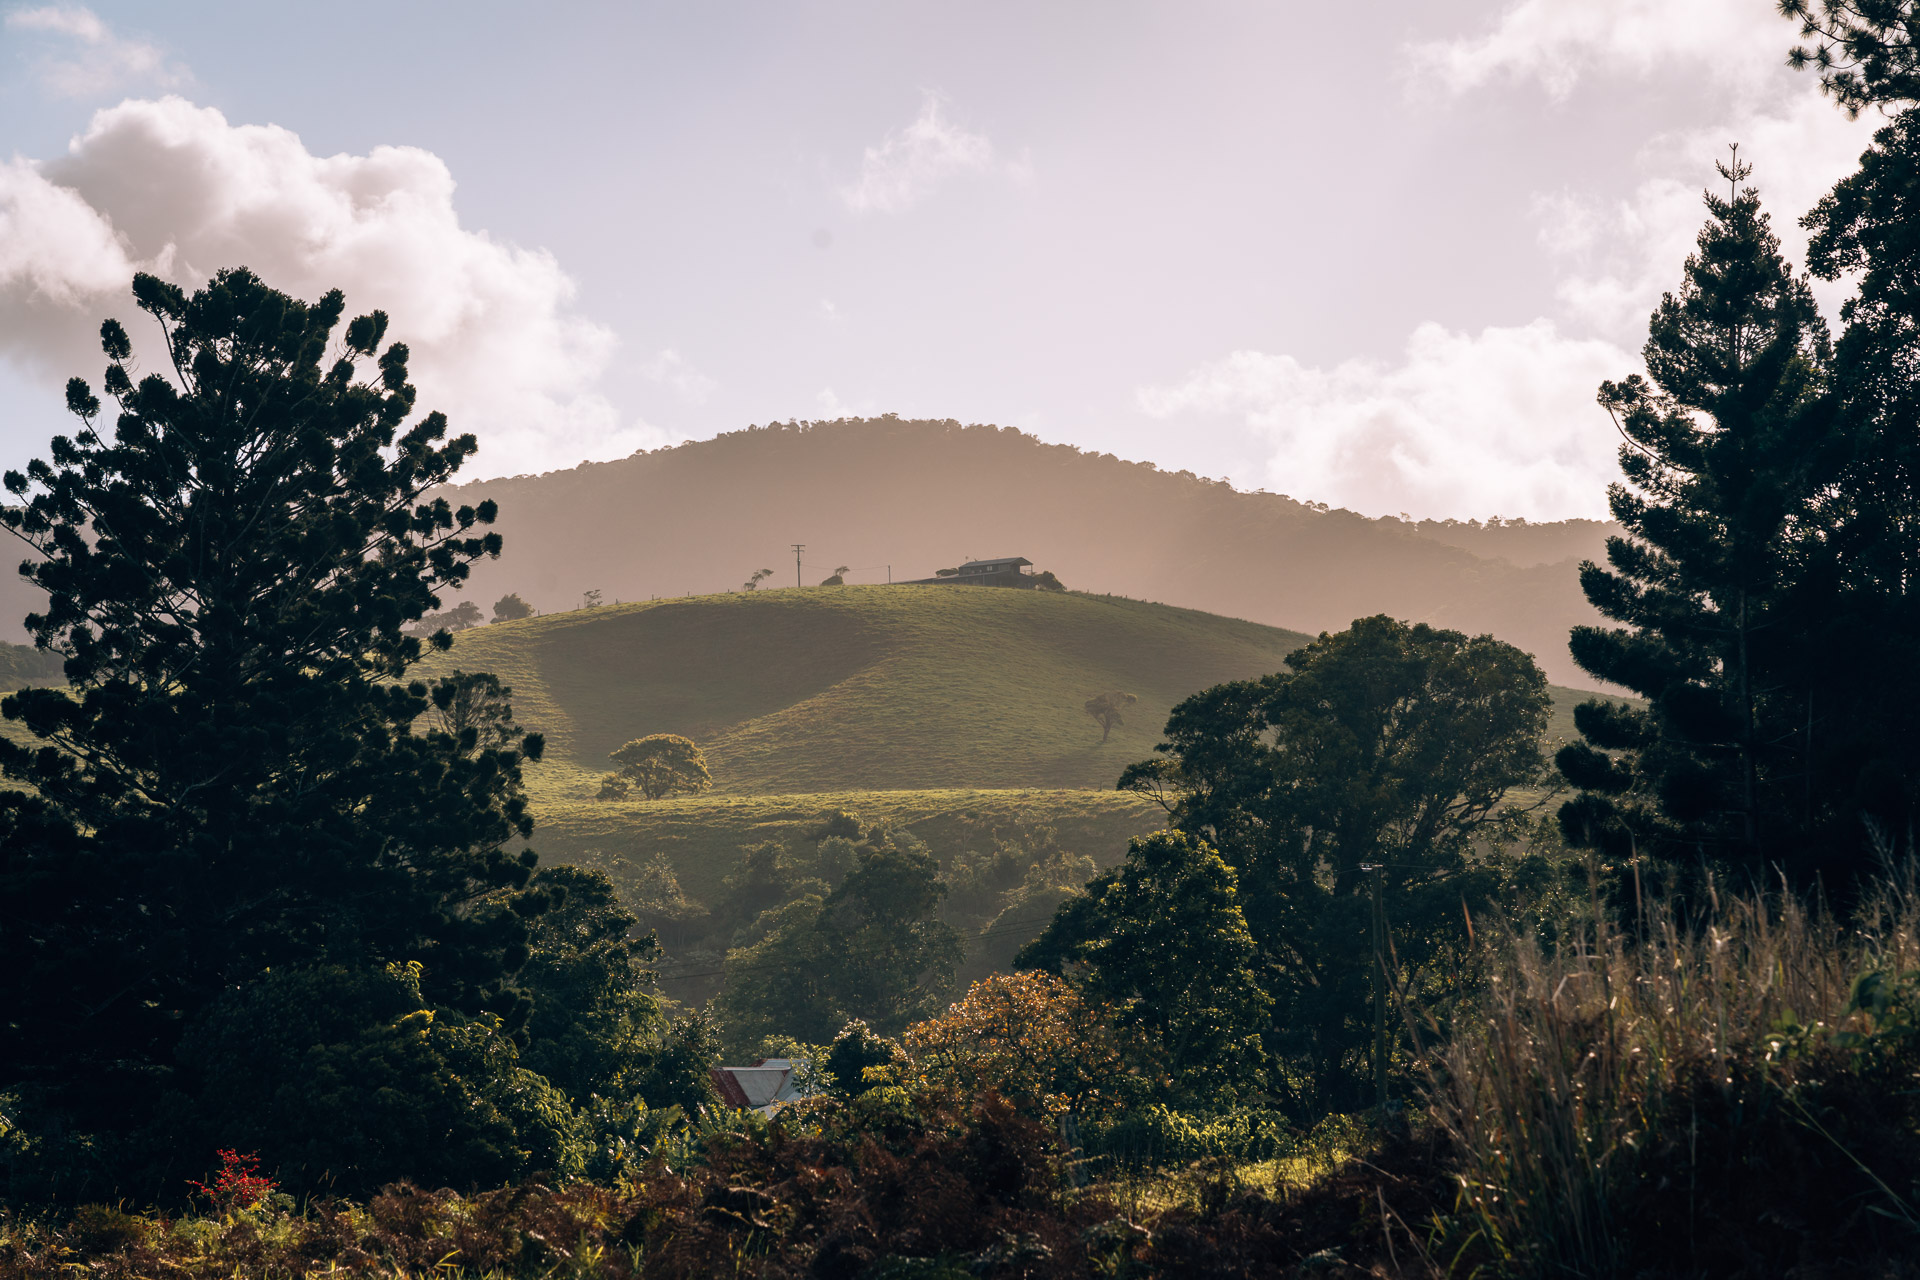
1605, 1088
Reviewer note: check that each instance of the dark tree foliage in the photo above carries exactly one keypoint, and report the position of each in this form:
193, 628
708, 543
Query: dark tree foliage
1385, 743
855, 1051
1866, 760
1109, 711
462, 617
1867, 52
872, 948
511, 608
235, 781
345, 1079
1162, 940
598, 1027
1729, 452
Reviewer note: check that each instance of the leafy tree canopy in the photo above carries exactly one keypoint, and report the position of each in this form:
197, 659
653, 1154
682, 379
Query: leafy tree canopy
1162, 939
511, 608
1029, 1037
1385, 743
663, 764
872, 948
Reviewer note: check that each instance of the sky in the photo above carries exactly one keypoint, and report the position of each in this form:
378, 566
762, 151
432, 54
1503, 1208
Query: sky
1381, 263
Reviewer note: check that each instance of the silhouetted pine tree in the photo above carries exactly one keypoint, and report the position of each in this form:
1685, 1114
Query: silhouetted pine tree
1868, 767
1729, 450
232, 783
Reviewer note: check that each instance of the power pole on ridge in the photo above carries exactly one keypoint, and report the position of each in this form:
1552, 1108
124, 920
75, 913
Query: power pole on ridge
798, 547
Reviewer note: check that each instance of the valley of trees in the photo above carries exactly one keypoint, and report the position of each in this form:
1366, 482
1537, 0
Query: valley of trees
1398, 988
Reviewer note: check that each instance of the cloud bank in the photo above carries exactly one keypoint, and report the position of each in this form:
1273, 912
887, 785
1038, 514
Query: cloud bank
168, 187
1556, 44
94, 60
905, 168
1502, 422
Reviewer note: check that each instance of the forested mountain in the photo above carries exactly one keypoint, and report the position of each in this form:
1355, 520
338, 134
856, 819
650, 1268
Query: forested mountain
919, 496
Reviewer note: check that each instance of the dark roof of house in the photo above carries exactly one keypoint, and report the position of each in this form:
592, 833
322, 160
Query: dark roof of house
985, 565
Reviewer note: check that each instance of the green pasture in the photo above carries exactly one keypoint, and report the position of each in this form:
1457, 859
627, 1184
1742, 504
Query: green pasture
867, 688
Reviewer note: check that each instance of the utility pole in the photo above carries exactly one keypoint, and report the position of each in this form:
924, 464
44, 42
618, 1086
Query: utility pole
798, 547
1375, 881
890, 583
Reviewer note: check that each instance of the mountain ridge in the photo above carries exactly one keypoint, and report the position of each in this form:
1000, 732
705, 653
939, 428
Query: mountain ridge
891, 494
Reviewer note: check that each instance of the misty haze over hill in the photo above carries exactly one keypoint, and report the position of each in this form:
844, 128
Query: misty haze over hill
920, 496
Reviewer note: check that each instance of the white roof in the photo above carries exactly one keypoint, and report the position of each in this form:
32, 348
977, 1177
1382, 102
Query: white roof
766, 1084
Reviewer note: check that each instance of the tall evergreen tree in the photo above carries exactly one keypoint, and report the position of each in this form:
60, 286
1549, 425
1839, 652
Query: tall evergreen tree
233, 781
1868, 228
1729, 449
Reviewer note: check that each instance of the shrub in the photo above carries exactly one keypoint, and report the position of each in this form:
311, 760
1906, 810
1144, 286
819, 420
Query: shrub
346, 1080
1156, 1136
1692, 1097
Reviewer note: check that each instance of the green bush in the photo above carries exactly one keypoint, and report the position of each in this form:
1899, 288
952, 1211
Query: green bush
345, 1080
1157, 1136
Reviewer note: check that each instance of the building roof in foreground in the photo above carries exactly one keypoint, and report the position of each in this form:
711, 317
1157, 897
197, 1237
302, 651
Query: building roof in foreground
764, 1087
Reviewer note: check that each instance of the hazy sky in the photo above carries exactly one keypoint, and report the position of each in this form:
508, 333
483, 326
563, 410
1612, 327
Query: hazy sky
1378, 261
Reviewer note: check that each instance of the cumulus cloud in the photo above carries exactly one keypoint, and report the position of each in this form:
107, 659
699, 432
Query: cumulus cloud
1617, 256
168, 187
92, 59
911, 162
832, 407
1465, 425
1555, 43
670, 369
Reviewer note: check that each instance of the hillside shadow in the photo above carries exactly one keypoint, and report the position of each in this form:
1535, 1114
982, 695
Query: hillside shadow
692, 668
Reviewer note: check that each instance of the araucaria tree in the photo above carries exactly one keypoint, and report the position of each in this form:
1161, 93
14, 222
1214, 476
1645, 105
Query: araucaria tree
1729, 452
238, 779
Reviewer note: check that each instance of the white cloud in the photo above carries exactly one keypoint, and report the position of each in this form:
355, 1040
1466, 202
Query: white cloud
172, 188
904, 169
670, 368
1617, 257
1466, 425
828, 311
95, 60
1558, 42
832, 407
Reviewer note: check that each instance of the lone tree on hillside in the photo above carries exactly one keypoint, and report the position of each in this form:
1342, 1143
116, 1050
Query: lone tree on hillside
462, 617
660, 765
1384, 743
759, 576
231, 785
838, 579
511, 608
1106, 710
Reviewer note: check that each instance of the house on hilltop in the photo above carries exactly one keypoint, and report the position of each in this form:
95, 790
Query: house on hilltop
1007, 571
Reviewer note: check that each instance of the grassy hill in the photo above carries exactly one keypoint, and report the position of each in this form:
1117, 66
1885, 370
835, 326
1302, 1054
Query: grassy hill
909, 497
869, 688
884, 495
